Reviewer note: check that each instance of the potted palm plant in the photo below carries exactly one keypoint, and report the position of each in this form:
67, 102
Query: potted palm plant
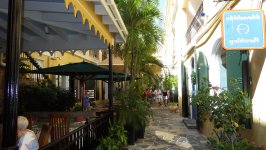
133, 111
115, 140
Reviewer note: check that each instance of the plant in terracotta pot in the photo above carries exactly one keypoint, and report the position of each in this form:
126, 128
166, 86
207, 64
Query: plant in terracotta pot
78, 108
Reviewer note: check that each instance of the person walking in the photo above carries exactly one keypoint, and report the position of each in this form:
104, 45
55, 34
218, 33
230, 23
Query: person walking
86, 102
165, 97
160, 97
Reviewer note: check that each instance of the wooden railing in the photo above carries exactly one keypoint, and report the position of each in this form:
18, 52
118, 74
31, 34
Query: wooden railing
85, 137
195, 25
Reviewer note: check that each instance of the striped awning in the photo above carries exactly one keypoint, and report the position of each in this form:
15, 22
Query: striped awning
66, 25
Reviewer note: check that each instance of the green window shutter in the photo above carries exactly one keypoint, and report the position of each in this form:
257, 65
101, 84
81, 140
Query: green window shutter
185, 109
237, 68
202, 69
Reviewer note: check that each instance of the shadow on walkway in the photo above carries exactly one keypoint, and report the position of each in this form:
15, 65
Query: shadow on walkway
168, 132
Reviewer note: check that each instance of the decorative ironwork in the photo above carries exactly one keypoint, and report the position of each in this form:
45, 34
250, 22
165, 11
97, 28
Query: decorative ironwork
35, 65
195, 25
85, 137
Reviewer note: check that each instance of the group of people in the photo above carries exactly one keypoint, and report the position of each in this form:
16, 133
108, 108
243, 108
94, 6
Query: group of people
157, 95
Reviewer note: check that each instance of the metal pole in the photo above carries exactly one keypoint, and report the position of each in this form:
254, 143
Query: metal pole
15, 10
110, 82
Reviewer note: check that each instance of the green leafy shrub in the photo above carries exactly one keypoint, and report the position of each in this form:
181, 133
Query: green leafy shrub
193, 77
77, 107
42, 98
93, 104
242, 144
116, 140
227, 110
170, 82
133, 110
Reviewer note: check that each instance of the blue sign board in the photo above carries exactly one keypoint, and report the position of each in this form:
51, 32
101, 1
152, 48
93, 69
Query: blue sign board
243, 30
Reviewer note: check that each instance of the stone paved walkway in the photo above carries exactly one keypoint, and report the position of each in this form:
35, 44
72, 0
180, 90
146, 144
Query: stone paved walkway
168, 132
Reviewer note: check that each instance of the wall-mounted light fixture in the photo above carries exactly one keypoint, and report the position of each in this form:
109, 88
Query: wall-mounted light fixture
202, 14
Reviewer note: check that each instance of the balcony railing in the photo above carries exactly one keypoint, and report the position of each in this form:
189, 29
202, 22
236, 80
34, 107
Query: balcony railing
195, 25
85, 137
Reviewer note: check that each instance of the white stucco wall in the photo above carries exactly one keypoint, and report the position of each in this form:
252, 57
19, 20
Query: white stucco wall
217, 74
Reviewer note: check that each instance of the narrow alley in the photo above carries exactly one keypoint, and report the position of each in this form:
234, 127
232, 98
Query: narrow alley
168, 132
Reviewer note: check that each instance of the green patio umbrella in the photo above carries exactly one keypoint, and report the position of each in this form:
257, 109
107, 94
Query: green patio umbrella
116, 77
75, 69
82, 71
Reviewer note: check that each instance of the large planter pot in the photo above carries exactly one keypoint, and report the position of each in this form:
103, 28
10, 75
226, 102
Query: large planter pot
131, 136
173, 108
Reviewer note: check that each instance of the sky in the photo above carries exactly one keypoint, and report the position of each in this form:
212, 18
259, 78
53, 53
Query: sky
162, 7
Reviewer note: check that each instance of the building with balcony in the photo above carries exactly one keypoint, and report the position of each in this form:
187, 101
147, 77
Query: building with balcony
198, 43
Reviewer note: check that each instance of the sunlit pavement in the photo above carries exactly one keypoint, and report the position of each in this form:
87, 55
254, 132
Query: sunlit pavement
167, 132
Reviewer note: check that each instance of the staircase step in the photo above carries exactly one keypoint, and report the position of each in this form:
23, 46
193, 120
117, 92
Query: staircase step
190, 123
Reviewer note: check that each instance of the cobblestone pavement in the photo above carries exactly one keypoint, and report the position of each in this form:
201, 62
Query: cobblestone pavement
167, 132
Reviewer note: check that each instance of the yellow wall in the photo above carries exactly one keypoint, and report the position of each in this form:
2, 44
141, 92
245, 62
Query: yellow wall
100, 90
59, 59
50, 61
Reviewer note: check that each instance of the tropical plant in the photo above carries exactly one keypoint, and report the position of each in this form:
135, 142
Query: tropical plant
243, 144
23, 66
202, 101
77, 107
143, 37
144, 34
115, 140
93, 104
133, 110
193, 77
170, 82
42, 98
226, 109
147, 71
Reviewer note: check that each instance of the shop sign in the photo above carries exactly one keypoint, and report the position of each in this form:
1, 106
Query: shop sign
243, 30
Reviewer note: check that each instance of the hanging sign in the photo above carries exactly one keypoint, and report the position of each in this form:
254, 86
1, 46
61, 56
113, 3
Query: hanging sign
243, 30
